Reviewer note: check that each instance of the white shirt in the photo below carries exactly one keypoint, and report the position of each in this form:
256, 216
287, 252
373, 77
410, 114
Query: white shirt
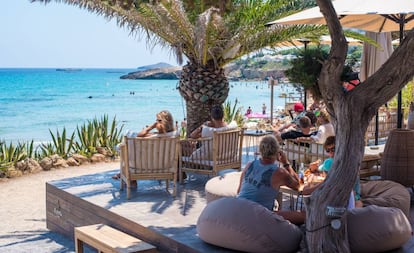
324, 131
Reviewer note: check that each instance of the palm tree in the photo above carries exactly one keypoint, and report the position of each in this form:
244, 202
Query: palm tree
209, 34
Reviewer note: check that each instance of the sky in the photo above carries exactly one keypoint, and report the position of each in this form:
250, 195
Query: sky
58, 35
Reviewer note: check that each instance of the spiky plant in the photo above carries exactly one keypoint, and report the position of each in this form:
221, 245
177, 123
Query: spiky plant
60, 145
233, 112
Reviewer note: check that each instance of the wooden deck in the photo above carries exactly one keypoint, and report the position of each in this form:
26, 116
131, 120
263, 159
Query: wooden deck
151, 215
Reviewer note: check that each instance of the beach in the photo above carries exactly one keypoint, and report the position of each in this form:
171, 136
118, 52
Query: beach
23, 211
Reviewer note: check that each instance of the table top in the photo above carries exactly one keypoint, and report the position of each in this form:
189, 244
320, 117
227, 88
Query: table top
374, 150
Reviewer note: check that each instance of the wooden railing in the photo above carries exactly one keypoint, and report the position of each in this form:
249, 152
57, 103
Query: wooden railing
306, 152
385, 124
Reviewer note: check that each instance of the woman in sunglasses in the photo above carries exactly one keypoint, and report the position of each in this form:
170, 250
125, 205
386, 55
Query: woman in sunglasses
164, 124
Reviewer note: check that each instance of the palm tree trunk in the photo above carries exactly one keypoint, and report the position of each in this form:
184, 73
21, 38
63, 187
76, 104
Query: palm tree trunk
202, 87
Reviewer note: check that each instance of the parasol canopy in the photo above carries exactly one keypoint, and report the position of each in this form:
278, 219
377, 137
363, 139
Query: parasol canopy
367, 15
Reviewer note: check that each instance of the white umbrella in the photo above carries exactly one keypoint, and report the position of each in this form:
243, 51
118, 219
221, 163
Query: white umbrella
368, 15
372, 59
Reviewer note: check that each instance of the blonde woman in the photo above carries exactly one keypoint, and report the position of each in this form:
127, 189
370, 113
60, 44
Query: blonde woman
164, 124
261, 179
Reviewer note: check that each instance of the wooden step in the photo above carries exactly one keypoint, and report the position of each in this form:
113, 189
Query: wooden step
107, 239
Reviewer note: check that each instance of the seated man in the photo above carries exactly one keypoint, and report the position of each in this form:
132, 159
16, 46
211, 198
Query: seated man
305, 126
216, 122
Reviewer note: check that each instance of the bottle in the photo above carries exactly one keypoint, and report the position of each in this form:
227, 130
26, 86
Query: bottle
294, 166
302, 173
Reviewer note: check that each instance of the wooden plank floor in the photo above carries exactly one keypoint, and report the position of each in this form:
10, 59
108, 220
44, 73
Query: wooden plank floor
152, 214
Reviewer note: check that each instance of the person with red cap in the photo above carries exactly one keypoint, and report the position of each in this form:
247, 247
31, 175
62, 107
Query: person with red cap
298, 107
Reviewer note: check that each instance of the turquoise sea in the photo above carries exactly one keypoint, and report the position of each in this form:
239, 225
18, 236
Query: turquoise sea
32, 101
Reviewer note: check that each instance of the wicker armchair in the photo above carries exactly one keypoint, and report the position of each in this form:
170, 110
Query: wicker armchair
149, 159
211, 155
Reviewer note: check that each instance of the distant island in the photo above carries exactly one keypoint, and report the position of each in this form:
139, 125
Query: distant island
69, 69
159, 70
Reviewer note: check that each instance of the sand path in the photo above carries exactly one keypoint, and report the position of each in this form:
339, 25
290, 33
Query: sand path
23, 210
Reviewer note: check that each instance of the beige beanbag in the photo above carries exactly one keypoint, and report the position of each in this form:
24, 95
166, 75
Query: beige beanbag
243, 225
377, 229
222, 186
386, 193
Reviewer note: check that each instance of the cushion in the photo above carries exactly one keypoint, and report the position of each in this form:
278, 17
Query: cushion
208, 131
222, 186
386, 193
205, 151
244, 225
377, 229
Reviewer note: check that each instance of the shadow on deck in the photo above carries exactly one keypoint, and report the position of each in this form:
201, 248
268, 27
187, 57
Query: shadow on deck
151, 214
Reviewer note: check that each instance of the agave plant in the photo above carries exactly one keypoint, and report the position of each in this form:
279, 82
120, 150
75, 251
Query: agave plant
87, 139
98, 133
232, 112
60, 145
10, 154
108, 134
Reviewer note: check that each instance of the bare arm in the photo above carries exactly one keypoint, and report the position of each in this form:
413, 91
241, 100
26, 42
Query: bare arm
242, 176
196, 133
285, 175
147, 131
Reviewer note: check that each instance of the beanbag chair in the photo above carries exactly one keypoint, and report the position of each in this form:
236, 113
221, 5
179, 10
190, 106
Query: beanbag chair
244, 225
386, 193
377, 229
222, 186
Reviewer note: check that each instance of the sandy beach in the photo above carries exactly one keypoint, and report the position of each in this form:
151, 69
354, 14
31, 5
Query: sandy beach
23, 210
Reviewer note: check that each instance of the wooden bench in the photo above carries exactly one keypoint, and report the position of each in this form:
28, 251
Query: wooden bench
107, 239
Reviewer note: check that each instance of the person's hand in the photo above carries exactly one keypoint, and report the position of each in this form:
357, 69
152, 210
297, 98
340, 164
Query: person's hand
282, 158
313, 166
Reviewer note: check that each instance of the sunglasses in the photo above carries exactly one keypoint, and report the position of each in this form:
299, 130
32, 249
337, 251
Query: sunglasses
330, 150
159, 120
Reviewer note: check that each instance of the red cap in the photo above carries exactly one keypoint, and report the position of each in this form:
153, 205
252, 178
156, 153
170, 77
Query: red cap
298, 107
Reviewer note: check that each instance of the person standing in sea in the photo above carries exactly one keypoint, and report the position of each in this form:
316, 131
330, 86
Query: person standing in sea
264, 109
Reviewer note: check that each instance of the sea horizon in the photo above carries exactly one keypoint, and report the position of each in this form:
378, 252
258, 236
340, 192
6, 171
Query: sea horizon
36, 100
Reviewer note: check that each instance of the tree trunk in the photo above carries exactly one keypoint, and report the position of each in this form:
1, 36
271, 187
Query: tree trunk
350, 113
202, 87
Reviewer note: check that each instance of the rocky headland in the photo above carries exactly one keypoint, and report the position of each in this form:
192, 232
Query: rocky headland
234, 72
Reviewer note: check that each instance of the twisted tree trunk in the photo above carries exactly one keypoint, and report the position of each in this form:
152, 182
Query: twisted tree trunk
350, 112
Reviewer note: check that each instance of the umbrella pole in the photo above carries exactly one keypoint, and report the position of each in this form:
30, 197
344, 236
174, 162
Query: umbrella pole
399, 98
376, 128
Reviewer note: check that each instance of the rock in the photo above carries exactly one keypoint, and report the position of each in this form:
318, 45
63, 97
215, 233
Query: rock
103, 151
28, 165
72, 162
46, 163
34, 166
80, 158
98, 158
60, 163
12, 172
